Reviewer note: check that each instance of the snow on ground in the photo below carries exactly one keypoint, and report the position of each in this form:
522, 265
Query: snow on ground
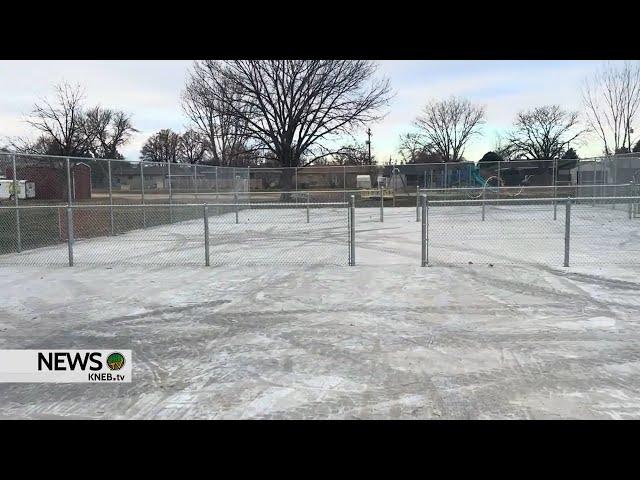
387, 338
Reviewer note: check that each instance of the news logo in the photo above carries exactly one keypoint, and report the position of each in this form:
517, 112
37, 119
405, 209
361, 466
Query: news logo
115, 361
65, 366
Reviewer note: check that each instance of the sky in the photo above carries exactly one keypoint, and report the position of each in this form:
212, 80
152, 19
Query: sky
150, 91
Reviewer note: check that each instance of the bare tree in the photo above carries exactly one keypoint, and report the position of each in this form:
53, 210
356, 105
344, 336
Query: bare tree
544, 132
105, 131
192, 147
206, 101
61, 122
448, 125
414, 148
611, 98
43, 145
161, 147
504, 148
353, 154
290, 107
68, 129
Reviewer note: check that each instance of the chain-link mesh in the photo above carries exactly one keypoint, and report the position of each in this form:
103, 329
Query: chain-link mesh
532, 231
40, 238
174, 235
513, 233
41, 180
523, 205
119, 181
601, 235
239, 234
279, 234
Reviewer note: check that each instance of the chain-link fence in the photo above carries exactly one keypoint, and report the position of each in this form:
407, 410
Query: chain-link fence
543, 231
181, 234
521, 207
90, 180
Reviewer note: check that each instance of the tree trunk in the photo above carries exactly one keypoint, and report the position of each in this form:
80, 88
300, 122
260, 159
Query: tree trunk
287, 182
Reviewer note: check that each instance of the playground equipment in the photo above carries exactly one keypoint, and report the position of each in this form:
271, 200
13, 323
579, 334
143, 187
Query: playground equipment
374, 194
395, 174
493, 184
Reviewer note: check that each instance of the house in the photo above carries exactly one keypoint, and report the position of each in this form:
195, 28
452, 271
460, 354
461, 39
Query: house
324, 177
615, 170
128, 177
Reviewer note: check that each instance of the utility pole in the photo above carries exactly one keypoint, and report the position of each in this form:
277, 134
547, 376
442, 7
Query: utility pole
369, 143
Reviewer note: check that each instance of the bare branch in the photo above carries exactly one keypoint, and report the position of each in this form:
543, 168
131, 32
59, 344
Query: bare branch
448, 125
544, 132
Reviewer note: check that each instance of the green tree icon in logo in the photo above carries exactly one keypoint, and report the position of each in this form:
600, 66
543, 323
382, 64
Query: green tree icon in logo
115, 361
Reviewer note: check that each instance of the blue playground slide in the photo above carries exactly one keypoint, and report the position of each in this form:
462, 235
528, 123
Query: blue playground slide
475, 175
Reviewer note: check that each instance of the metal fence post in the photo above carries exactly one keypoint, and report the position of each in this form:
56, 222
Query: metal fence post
630, 194
593, 184
144, 210
70, 234
352, 233
249, 185
344, 183
59, 210
425, 239
16, 194
499, 178
69, 196
394, 175
307, 207
615, 182
446, 179
417, 203
614, 194
195, 180
216, 183
484, 197
381, 202
233, 183
579, 174
602, 180
235, 202
110, 196
555, 189
206, 234
170, 193
567, 232
349, 233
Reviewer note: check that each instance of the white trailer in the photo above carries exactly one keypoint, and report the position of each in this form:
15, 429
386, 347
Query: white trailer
25, 189
363, 181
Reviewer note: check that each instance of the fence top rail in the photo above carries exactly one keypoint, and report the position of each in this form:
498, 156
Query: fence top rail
175, 205
119, 160
453, 165
480, 201
530, 187
293, 192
